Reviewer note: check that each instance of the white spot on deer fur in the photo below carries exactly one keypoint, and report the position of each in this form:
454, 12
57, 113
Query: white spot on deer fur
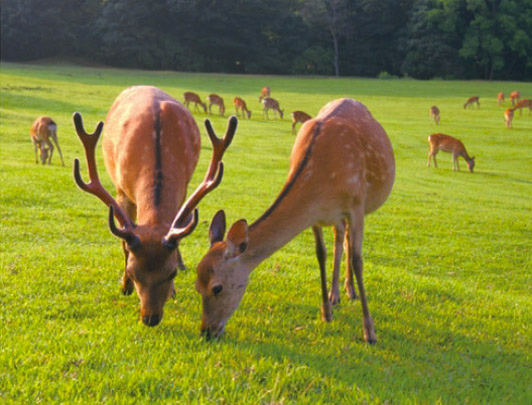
353, 180
333, 175
154, 134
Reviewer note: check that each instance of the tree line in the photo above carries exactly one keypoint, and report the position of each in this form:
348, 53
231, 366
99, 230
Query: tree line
449, 39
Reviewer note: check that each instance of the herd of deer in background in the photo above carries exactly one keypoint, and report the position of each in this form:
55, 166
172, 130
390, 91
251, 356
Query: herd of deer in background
454, 146
151, 146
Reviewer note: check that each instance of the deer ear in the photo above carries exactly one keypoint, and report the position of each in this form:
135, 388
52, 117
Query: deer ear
217, 228
237, 238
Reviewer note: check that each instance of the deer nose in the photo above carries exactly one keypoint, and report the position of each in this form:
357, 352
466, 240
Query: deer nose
151, 320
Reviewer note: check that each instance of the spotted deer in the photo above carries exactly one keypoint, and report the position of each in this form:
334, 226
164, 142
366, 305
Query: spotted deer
508, 117
452, 145
215, 99
470, 102
299, 116
514, 97
240, 105
191, 97
435, 114
524, 103
271, 104
43, 132
264, 92
341, 168
151, 146
500, 98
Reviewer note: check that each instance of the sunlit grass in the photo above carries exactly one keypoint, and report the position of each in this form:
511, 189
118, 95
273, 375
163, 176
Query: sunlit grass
447, 258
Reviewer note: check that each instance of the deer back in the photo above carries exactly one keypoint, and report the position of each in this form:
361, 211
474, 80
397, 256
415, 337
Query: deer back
151, 146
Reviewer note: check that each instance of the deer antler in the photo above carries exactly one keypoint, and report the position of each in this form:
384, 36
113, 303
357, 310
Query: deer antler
95, 187
212, 179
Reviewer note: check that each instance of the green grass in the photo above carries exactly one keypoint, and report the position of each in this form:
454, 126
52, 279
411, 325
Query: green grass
447, 259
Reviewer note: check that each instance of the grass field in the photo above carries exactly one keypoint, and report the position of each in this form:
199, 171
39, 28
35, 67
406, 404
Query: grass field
448, 265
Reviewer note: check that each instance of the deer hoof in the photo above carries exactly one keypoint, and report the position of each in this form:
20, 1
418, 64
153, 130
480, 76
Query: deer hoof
326, 313
334, 298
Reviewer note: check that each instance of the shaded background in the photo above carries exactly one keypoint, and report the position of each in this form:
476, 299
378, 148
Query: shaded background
449, 39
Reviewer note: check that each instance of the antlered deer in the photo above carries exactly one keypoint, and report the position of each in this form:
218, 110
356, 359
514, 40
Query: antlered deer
43, 130
151, 145
452, 145
194, 98
435, 114
216, 100
264, 92
341, 168
470, 102
240, 104
514, 97
299, 116
508, 117
271, 104
500, 98
526, 102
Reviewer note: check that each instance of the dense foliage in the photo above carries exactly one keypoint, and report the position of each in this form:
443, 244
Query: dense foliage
487, 39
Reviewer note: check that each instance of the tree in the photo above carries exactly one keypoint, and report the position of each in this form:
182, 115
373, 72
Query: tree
331, 15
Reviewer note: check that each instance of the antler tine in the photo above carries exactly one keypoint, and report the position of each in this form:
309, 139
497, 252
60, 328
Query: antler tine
94, 186
214, 174
127, 234
175, 234
219, 145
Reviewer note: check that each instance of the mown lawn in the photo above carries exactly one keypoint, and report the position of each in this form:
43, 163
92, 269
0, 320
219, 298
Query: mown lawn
447, 259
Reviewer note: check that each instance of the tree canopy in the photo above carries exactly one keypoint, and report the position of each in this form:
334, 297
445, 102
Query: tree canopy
487, 39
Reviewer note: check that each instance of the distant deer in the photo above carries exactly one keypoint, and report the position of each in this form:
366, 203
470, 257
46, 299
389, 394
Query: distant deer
508, 117
526, 102
43, 131
240, 104
299, 116
452, 145
514, 97
271, 104
264, 92
194, 98
435, 114
341, 168
500, 98
470, 102
151, 146
215, 99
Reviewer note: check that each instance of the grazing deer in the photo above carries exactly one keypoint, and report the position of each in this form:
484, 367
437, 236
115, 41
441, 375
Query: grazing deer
514, 97
470, 102
240, 104
341, 168
508, 117
500, 98
43, 131
264, 92
526, 102
271, 104
151, 145
452, 145
435, 114
216, 100
299, 116
194, 98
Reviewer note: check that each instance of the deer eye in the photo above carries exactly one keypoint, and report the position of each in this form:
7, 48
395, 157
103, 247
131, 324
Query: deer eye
217, 289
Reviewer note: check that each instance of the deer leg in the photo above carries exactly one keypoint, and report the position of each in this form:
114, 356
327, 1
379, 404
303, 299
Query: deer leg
339, 231
430, 156
321, 253
51, 147
35, 147
54, 138
130, 209
356, 228
349, 284
293, 128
